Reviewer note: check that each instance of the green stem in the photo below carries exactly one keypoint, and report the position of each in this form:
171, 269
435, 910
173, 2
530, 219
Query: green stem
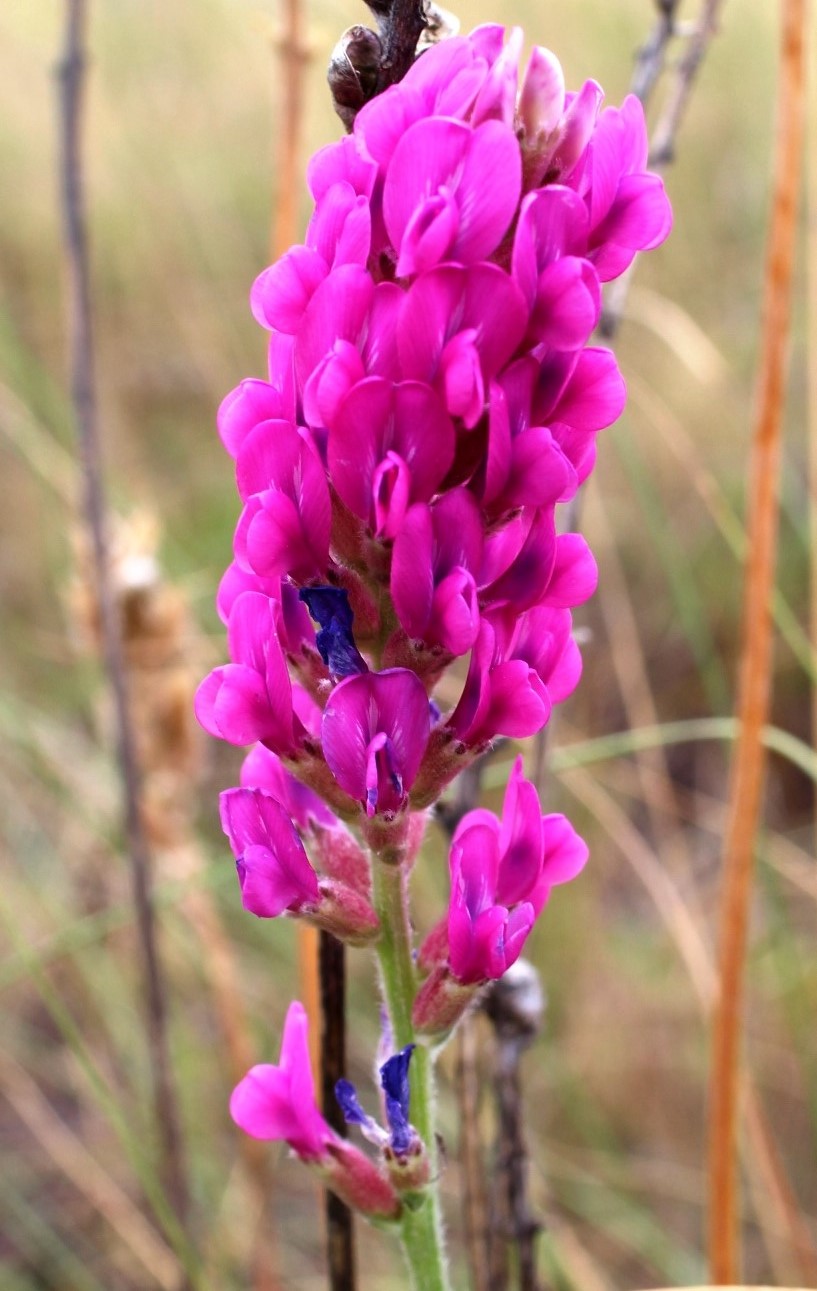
421, 1229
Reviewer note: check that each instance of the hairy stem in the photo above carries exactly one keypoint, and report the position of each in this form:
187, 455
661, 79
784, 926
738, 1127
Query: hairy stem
421, 1229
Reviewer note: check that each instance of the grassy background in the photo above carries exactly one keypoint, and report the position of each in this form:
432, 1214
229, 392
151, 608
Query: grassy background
183, 124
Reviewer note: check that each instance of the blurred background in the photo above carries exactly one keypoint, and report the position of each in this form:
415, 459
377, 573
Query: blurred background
183, 130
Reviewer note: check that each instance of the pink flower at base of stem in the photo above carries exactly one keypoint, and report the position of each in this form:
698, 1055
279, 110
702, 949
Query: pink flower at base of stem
278, 1103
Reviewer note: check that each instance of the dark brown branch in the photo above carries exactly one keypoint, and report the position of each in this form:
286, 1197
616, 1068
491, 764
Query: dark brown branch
365, 63
467, 1082
71, 84
401, 24
515, 1006
339, 1219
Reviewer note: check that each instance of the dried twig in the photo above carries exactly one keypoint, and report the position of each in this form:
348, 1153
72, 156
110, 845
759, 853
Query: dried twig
340, 1231
467, 1083
465, 799
71, 72
756, 655
651, 57
515, 1006
650, 62
294, 53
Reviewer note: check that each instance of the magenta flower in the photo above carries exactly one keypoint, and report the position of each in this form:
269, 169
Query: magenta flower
390, 446
251, 698
348, 332
629, 209
440, 200
250, 403
435, 563
501, 696
560, 286
375, 730
273, 869
287, 518
339, 233
525, 466
458, 328
279, 1103
261, 769
501, 877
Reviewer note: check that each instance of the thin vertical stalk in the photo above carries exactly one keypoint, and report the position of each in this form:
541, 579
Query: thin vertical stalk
515, 1005
283, 233
421, 1228
293, 54
471, 1155
811, 371
72, 82
321, 959
756, 654
339, 1223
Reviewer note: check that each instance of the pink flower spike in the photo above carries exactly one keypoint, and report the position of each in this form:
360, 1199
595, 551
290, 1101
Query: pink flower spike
273, 869
374, 732
279, 1102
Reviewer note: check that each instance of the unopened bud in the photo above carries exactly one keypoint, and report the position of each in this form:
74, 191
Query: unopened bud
353, 71
542, 99
440, 1003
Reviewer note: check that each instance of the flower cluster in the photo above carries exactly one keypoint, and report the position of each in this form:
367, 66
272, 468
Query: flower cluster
432, 397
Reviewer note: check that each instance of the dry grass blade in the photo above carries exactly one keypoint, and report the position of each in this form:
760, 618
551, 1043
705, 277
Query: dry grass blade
763, 1157
756, 666
70, 1155
72, 81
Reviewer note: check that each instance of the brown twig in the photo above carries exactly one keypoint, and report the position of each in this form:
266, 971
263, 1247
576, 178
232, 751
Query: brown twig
515, 1006
467, 1083
651, 57
449, 814
662, 145
71, 75
756, 654
339, 1220
650, 62
294, 53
